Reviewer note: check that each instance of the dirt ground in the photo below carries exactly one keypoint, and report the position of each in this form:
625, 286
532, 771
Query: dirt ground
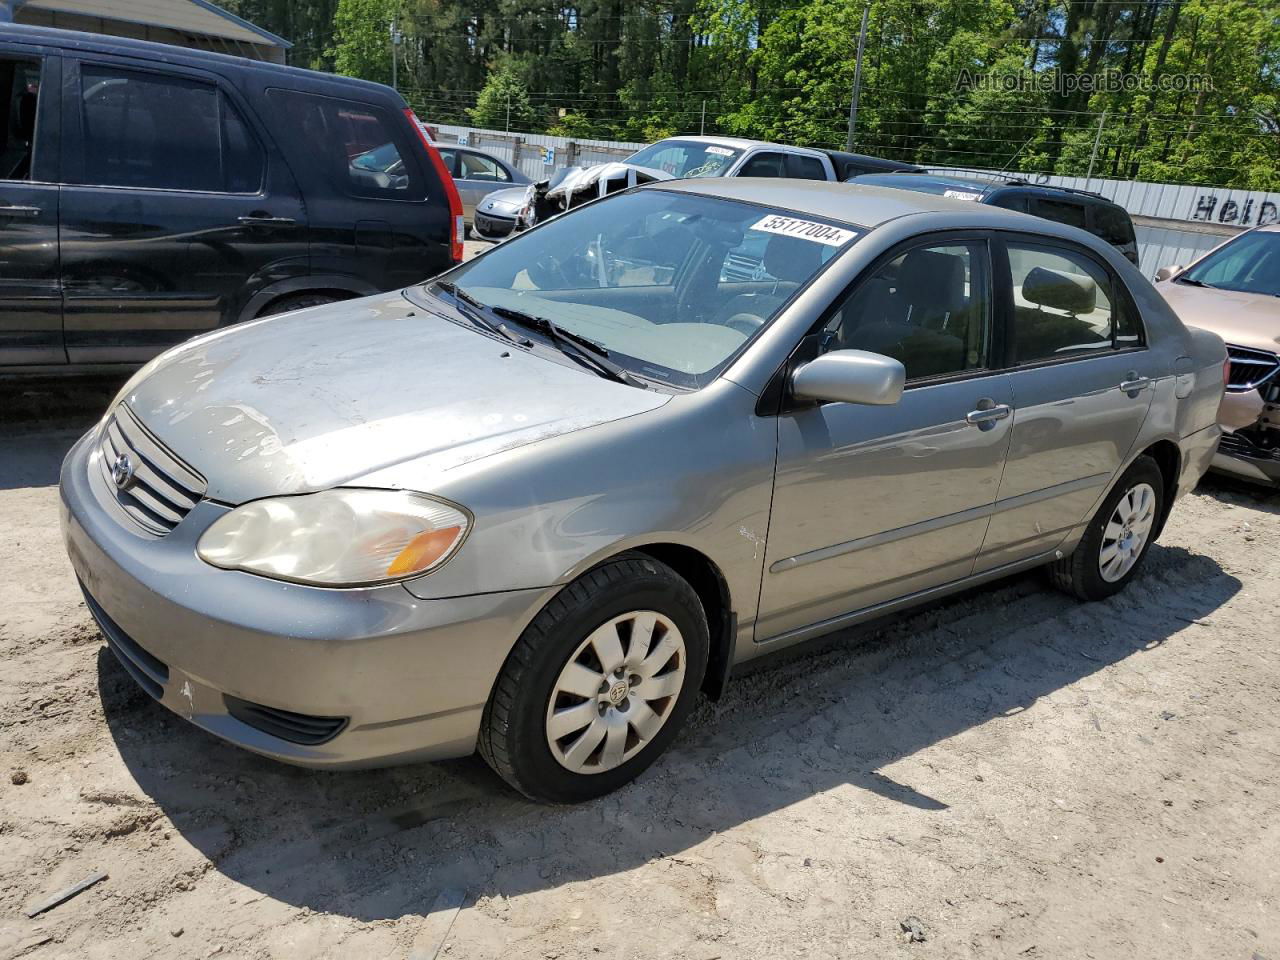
1023, 775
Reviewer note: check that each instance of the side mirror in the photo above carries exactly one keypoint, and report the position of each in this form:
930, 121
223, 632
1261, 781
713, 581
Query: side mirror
850, 376
1166, 273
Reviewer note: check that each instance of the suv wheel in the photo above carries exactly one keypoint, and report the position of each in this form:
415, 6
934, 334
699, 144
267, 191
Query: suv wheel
1118, 537
598, 684
296, 301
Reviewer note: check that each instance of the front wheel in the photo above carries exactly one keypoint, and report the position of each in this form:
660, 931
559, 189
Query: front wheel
1118, 536
598, 684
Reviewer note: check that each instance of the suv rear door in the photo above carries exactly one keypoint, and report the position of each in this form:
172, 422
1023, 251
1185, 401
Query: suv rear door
175, 211
377, 207
30, 298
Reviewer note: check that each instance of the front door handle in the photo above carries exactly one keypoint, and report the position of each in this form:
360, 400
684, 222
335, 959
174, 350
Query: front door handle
254, 220
988, 413
1134, 384
20, 212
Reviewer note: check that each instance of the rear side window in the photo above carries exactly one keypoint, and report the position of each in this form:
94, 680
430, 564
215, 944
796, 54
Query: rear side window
19, 93
765, 164
1065, 306
1113, 225
165, 133
805, 168
1061, 211
1010, 201
361, 149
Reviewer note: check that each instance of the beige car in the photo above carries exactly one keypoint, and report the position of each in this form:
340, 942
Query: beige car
1234, 290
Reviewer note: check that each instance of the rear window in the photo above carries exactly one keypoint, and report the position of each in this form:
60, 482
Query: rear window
361, 149
1113, 225
163, 132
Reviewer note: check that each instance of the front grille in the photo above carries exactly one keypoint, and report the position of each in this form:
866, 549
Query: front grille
298, 728
1235, 445
492, 226
150, 673
161, 489
1250, 368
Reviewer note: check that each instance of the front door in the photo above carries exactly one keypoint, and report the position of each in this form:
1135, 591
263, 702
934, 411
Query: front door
1082, 380
170, 222
875, 503
30, 297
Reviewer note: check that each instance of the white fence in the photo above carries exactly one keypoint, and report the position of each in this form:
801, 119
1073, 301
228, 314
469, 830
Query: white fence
1175, 223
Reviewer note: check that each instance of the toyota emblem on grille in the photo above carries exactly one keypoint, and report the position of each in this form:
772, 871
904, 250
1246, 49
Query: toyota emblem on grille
122, 472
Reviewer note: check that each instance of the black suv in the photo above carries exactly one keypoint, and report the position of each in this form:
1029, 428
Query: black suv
1078, 208
149, 193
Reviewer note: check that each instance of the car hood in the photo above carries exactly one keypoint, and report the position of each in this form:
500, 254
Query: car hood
1245, 319
506, 202
321, 397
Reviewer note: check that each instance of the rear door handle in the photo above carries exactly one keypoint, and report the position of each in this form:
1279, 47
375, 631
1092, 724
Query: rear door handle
1135, 384
265, 221
20, 211
987, 414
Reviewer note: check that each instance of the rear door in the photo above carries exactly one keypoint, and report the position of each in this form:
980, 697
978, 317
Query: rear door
476, 176
377, 211
30, 296
1082, 379
170, 220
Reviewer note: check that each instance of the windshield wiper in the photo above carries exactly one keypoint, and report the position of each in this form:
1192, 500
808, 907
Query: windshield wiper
462, 297
1196, 283
572, 344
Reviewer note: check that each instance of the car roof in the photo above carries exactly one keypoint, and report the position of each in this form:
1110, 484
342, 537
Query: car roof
168, 53
737, 143
859, 205
931, 182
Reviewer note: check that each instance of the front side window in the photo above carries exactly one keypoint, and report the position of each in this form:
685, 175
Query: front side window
649, 276
159, 132
685, 158
1064, 306
764, 164
1248, 264
19, 98
359, 148
1060, 211
476, 166
929, 308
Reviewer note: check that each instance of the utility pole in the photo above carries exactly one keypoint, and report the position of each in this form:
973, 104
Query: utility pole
1094, 156
508, 112
702, 127
396, 37
857, 77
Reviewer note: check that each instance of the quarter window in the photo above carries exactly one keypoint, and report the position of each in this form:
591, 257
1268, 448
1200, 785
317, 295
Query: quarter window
19, 95
1064, 306
357, 146
928, 308
166, 133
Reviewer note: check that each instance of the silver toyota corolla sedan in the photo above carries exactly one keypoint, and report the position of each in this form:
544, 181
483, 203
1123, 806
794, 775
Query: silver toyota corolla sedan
538, 504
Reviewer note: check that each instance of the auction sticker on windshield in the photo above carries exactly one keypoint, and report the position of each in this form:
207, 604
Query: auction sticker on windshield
804, 229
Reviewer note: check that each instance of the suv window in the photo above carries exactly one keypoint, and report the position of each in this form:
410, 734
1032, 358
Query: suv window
805, 168
358, 146
1010, 201
164, 133
928, 308
19, 94
476, 166
764, 164
1062, 211
1112, 224
1064, 305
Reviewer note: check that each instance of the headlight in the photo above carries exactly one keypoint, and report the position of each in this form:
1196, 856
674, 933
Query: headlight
337, 538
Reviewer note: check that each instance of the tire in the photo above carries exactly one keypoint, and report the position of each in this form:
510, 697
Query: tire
1089, 575
557, 650
296, 301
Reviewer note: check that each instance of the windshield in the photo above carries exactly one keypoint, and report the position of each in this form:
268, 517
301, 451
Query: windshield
1248, 264
670, 284
685, 158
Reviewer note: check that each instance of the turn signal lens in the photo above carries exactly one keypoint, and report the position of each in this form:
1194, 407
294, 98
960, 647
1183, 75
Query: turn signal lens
337, 538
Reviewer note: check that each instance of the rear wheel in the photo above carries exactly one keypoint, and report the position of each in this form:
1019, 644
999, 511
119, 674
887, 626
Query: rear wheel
297, 301
599, 684
1118, 536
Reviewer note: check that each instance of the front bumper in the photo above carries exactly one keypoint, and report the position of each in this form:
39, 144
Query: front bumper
487, 226
405, 679
1239, 456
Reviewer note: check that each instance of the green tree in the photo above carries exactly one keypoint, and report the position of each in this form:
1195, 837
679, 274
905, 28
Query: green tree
362, 38
504, 103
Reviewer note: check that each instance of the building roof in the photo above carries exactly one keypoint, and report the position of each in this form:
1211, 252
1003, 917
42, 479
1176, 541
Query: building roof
198, 17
